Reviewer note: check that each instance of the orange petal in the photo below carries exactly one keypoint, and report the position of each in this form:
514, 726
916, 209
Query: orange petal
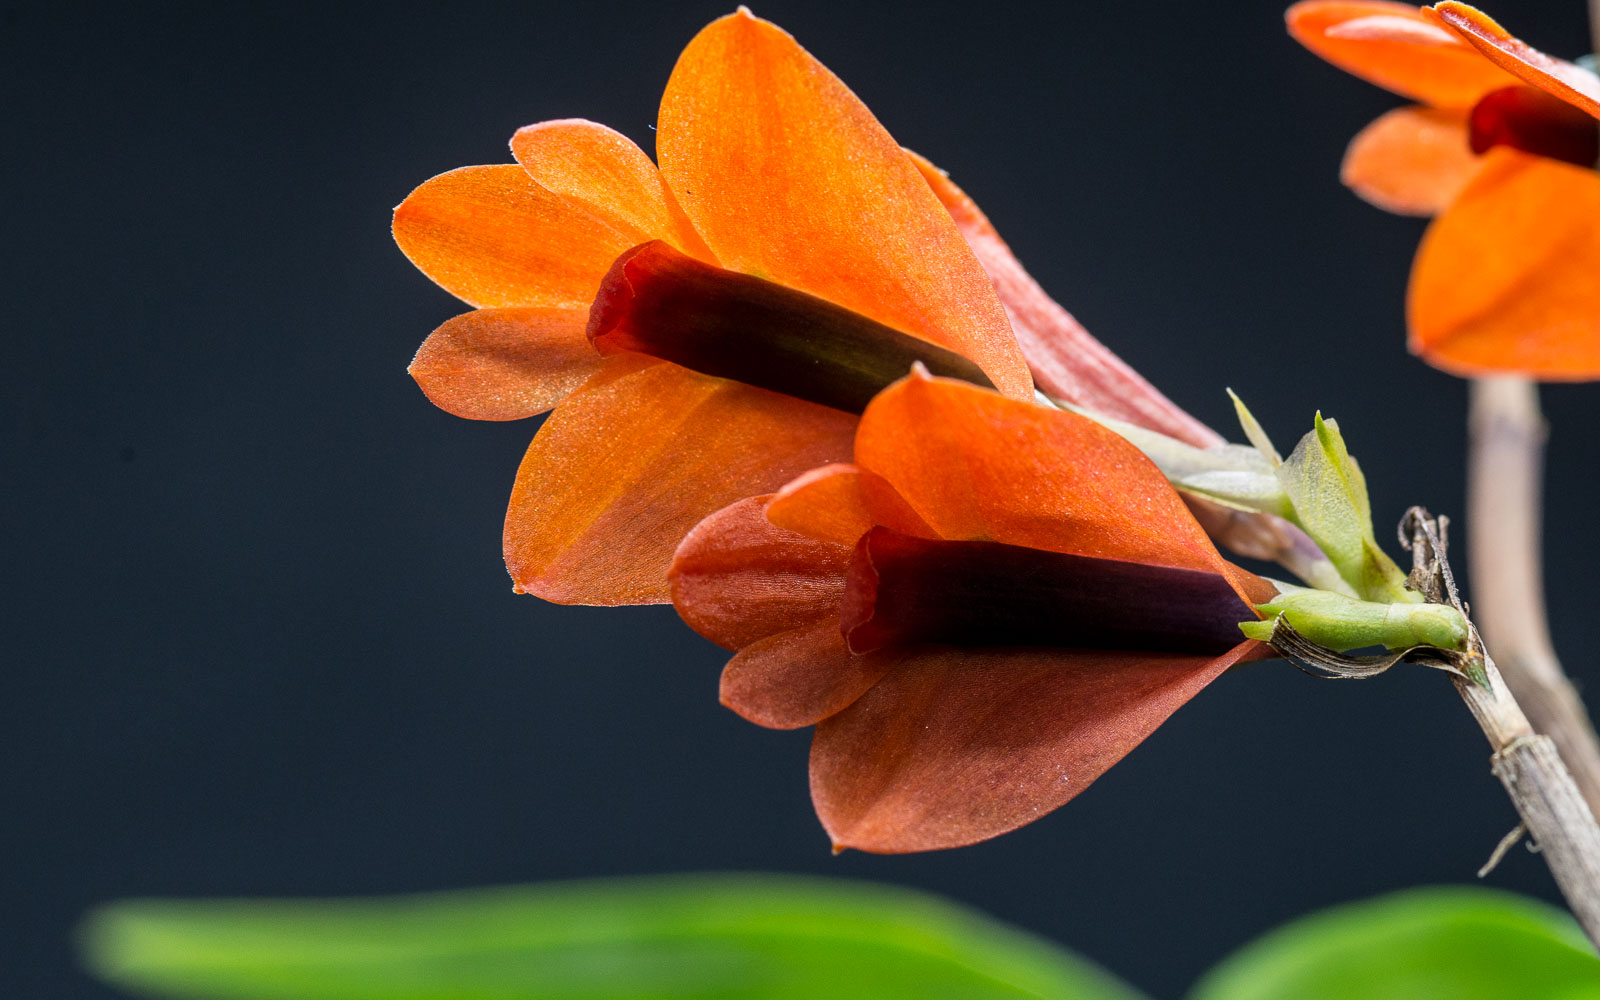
604, 172
1506, 279
493, 237
824, 503
628, 464
800, 677
1067, 362
976, 466
956, 746
840, 503
1411, 161
787, 176
737, 577
1572, 83
505, 364
1396, 46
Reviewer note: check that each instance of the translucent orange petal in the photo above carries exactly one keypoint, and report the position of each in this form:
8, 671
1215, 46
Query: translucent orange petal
787, 176
633, 459
956, 746
1396, 46
1508, 278
1411, 161
840, 503
737, 577
1572, 83
800, 677
1067, 362
977, 466
505, 364
493, 237
603, 171
824, 503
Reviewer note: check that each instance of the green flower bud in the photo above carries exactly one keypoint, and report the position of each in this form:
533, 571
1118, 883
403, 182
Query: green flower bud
1345, 623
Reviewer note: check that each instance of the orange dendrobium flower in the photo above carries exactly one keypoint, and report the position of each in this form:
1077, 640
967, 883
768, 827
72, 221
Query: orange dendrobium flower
1503, 148
995, 603
778, 195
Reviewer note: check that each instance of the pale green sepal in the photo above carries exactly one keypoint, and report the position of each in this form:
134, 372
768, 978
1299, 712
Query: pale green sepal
1260, 631
1323, 575
1232, 475
1252, 491
1345, 623
1254, 432
1329, 495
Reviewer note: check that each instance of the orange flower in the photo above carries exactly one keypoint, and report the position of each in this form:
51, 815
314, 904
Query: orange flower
778, 195
992, 606
1503, 147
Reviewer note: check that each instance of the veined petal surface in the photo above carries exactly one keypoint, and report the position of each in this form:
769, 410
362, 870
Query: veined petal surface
1411, 161
602, 169
788, 176
976, 466
800, 677
633, 459
1396, 46
825, 503
1508, 279
737, 577
954, 746
492, 236
505, 364
840, 503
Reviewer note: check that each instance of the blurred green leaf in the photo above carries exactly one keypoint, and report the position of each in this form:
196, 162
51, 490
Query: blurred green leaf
1426, 944
702, 936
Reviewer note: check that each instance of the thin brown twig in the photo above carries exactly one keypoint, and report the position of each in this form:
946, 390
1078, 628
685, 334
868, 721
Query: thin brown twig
1503, 508
1545, 796
1541, 788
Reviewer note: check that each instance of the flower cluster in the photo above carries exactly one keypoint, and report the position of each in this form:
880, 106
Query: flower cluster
801, 388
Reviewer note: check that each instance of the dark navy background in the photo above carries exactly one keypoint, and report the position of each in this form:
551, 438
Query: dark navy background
257, 638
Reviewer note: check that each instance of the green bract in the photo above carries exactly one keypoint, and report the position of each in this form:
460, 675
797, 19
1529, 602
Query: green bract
1329, 495
1345, 623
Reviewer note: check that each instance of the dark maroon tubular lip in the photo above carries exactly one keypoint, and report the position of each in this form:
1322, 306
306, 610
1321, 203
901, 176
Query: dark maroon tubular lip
902, 589
657, 301
1533, 121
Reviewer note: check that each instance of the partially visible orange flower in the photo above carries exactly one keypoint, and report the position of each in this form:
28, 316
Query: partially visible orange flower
1503, 148
995, 603
782, 214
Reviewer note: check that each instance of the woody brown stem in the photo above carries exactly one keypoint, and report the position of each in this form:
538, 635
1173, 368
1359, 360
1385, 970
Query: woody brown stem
1507, 437
1545, 796
1540, 786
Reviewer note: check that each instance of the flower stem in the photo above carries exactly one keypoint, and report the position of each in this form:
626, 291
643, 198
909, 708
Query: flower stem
1503, 526
1544, 794
1527, 764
